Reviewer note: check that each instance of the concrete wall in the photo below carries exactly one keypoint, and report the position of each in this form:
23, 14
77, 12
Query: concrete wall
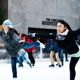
31, 13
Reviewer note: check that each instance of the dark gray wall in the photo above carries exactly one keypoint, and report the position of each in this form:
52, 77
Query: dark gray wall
4, 6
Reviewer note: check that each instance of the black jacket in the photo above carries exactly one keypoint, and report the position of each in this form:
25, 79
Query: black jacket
68, 44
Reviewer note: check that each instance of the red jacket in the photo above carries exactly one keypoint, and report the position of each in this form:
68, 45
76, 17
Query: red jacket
28, 40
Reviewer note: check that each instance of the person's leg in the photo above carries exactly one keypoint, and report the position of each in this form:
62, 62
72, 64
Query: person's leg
32, 60
22, 54
51, 59
25, 59
72, 65
20, 60
66, 56
30, 45
57, 58
13, 65
61, 56
53, 49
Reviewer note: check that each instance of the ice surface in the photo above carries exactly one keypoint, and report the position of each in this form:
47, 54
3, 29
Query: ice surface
40, 71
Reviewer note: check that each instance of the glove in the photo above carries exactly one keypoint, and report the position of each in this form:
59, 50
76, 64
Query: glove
33, 34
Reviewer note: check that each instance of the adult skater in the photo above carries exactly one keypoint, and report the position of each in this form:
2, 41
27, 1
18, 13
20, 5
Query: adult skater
54, 52
13, 43
65, 38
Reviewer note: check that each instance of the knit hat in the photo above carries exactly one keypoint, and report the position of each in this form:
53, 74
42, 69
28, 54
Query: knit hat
9, 23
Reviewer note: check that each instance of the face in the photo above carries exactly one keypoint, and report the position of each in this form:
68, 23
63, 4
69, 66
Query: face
5, 27
60, 28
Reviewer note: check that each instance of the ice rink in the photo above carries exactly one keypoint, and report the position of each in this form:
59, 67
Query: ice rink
40, 71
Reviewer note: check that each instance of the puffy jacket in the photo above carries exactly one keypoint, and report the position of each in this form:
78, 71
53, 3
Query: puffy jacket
28, 40
11, 42
29, 49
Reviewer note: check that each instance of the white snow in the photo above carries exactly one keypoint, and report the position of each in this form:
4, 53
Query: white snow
40, 71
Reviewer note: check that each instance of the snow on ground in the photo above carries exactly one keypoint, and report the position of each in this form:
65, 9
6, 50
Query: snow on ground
40, 71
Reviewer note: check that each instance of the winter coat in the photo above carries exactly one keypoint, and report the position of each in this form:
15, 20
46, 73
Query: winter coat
49, 45
11, 42
27, 39
29, 49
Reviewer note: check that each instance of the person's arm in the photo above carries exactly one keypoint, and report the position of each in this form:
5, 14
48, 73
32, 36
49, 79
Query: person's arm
26, 44
44, 35
17, 38
76, 33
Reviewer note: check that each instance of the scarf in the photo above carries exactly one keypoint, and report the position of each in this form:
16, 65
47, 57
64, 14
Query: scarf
62, 36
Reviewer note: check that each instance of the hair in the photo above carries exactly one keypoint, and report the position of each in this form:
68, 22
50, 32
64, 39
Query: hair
23, 34
26, 37
18, 33
65, 24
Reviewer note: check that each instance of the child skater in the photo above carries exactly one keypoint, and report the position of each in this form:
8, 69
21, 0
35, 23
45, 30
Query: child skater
28, 50
65, 38
13, 43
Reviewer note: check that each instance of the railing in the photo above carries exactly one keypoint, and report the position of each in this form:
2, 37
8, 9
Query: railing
38, 53
3, 53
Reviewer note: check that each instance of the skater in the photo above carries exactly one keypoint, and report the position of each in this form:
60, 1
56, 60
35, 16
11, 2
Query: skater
29, 50
54, 51
13, 43
65, 38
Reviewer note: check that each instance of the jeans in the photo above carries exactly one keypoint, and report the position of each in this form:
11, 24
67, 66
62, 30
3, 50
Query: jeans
22, 54
13, 65
61, 56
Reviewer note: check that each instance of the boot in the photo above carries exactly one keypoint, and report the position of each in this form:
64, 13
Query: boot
67, 60
62, 64
33, 64
20, 65
58, 65
29, 64
52, 65
72, 79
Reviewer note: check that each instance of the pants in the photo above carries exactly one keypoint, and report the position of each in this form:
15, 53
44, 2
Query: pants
72, 65
52, 53
66, 55
13, 65
22, 54
61, 56
32, 60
